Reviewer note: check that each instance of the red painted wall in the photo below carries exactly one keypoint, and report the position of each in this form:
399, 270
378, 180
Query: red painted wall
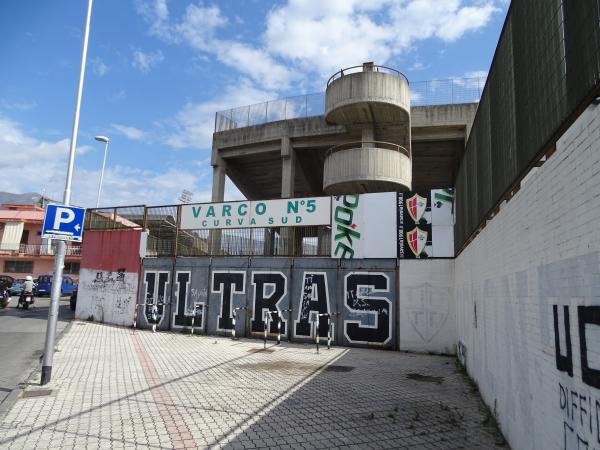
112, 250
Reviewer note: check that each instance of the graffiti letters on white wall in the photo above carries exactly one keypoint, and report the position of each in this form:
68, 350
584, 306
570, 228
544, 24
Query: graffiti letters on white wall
580, 405
105, 296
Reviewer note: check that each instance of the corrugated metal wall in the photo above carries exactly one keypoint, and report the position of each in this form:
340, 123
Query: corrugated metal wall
546, 63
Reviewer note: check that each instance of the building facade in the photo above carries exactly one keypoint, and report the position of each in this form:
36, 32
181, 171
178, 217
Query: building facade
23, 251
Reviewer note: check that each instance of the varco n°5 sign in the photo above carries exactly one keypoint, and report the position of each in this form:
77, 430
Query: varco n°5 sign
257, 214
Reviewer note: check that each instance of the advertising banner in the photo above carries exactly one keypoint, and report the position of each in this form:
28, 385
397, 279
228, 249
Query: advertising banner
257, 214
363, 226
425, 224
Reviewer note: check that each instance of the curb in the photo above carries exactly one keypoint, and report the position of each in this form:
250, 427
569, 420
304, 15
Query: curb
7, 404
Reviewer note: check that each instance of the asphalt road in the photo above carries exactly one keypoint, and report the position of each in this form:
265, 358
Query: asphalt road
22, 336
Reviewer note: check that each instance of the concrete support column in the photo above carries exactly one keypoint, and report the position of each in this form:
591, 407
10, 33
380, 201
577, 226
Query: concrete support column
218, 185
218, 195
288, 167
288, 174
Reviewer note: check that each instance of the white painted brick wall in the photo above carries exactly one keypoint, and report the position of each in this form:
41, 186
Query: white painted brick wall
427, 310
542, 249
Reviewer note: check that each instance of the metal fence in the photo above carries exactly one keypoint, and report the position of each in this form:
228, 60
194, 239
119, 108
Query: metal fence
166, 238
433, 92
546, 67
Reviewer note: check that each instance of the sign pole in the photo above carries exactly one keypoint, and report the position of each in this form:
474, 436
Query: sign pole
62, 246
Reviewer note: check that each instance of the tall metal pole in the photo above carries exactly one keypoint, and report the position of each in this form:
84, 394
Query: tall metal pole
102, 174
62, 246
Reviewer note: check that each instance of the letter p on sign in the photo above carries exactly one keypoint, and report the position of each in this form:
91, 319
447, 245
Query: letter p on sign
63, 215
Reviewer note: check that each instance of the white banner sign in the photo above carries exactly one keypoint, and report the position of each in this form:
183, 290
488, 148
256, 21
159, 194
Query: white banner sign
257, 214
364, 226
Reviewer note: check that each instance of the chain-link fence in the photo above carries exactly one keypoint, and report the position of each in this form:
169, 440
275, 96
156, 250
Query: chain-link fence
423, 93
165, 238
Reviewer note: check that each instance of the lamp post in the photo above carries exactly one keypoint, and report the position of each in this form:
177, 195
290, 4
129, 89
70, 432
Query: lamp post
106, 141
62, 245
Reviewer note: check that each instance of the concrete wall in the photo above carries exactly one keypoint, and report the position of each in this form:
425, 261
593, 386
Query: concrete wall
528, 301
427, 308
108, 281
360, 296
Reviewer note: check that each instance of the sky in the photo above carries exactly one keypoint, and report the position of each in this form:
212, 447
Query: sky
158, 70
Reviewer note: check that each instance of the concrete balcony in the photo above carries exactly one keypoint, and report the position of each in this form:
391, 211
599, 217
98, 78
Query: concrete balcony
367, 94
367, 166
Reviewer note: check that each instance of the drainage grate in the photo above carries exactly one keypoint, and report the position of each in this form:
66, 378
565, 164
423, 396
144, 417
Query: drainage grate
36, 393
339, 368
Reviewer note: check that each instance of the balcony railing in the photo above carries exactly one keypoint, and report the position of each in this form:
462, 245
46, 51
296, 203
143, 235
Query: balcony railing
36, 250
422, 93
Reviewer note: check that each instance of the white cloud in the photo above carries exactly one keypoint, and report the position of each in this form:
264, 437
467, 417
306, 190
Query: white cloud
41, 165
135, 134
98, 67
193, 125
319, 37
145, 62
198, 26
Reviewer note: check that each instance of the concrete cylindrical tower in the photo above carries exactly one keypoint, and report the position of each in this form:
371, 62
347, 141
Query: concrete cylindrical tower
376, 101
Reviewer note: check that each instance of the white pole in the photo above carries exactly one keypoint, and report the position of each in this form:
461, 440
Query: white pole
62, 246
102, 174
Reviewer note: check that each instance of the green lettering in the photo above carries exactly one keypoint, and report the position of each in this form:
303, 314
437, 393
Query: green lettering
244, 211
226, 210
292, 207
211, 211
260, 208
196, 211
311, 206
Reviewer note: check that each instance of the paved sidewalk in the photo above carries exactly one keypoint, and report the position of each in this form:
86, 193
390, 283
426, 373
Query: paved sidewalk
113, 388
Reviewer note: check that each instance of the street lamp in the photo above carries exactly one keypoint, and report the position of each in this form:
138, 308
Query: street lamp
106, 141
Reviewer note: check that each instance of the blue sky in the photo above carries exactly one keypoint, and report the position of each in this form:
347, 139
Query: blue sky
158, 70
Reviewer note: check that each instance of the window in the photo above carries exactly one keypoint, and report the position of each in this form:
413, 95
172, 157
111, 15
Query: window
71, 268
18, 266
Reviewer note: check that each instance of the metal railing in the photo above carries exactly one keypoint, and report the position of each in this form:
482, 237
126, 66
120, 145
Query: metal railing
371, 144
365, 68
37, 249
423, 93
166, 238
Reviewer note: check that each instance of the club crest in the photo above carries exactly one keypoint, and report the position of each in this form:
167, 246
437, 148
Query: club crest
416, 206
417, 239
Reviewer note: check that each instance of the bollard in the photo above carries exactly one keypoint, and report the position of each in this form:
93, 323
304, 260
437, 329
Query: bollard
266, 323
279, 329
328, 332
135, 315
194, 316
317, 333
154, 317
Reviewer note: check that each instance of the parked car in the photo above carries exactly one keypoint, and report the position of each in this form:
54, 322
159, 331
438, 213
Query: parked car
73, 299
17, 286
44, 285
5, 281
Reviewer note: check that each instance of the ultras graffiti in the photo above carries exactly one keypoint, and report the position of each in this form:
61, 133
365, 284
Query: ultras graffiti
580, 405
314, 303
365, 315
155, 296
358, 291
270, 288
227, 283
184, 310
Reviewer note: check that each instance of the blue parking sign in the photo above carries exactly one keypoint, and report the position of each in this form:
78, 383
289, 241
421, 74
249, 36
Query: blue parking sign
63, 222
